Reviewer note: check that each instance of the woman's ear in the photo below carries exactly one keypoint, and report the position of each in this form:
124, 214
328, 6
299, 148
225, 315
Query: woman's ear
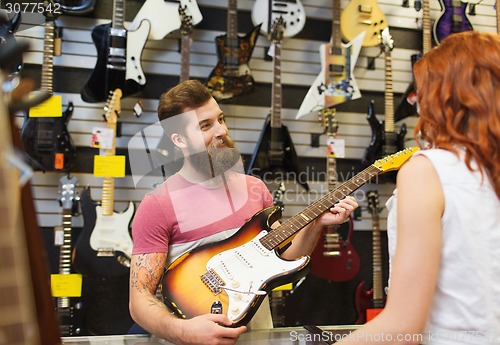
178, 140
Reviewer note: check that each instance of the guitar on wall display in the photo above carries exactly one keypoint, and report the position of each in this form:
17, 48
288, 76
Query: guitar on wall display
408, 104
335, 83
118, 58
385, 139
238, 272
334, 258
363, 16
453, 19
232, 76
275, 150
7, 30
186, 30
371, 303
45, 137
291, 12
69, 309
104, 247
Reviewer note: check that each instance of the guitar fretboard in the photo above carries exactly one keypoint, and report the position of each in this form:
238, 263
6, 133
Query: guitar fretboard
276, 98
336, 33
118, 14
231, 55
48, 56
426, 26
185, 52
388, 95
377, 260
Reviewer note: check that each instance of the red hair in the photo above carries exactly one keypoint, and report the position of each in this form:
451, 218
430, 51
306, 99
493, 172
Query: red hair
459, 99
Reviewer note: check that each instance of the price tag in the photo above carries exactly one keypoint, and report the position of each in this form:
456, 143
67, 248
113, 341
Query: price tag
109, 166
50, 108
66, 285
336, 147
58, 235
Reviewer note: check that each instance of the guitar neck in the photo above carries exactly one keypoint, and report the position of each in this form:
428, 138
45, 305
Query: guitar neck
291, 226
336, 39
331, 169
377, 261
498, 15
388, 95
118, 14
185, 52
108, 184
276, 101
48, 56
65, 249
426, 26
231, 54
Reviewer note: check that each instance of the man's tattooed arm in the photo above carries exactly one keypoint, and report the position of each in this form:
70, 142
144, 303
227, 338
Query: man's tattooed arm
146, 272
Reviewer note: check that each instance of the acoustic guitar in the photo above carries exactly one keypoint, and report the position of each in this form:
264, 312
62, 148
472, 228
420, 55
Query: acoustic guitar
236, 274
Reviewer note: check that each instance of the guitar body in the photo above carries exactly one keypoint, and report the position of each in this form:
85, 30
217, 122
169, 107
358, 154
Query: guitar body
266, 12
366, 307
275, 156
7, 34
105, 232
70, 315
363, 16
47, 142
334, 258
407, 106
224, 82
453, 19
335, 84
126, 73
241, 263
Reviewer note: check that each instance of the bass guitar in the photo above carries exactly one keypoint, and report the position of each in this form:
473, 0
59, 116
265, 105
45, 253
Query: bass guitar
232, 76
335, 83
453, 19
46, 140
69, 309
363, 16
291, 12
385, 139
118, 58
237, 273
371, 303
334, 258
408, 104
104, 247
275, 151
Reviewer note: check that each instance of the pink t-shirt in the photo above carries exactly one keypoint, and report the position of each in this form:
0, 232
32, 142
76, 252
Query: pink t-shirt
179, 215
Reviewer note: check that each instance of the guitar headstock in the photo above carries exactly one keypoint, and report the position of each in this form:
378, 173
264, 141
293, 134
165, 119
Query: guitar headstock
186, 21
112, 108
278, 28
328, 117
373, 202
386, 40
67, 190
279, 195
396, 160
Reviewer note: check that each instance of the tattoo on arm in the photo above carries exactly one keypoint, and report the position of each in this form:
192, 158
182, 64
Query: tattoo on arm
146, 272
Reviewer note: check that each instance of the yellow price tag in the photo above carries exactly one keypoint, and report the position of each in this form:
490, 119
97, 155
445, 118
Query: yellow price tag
109, 166
50, 108
66, 285
286, 287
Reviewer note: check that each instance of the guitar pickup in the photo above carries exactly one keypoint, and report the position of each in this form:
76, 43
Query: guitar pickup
331, 254
105, 252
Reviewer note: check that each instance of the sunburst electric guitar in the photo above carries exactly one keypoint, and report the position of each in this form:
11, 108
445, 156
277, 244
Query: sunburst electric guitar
334, 258
237, 273
104, 247
335, 83
363, 16
371, 303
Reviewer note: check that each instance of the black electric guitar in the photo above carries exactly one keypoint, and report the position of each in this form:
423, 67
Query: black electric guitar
453, 19
370, 303
274, 151
69, 309
104, 247
119, 53
46, 140
236, 274
334, 258
232, 76
385, 139
408, 103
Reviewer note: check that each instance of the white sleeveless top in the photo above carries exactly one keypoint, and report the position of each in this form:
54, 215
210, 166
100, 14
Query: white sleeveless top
466, 306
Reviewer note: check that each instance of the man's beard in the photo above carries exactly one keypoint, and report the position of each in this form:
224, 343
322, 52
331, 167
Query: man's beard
216, 160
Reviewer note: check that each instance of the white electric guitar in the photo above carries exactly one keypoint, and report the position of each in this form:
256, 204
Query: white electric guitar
335, 83
164, 16
266, 12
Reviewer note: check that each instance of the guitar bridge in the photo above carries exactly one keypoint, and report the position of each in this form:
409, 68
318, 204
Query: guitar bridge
213, 281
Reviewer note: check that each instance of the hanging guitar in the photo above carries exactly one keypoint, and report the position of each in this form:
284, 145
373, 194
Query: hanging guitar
334, 258
335, 83
267, 12
363, 16
69, 309
45, 137
238, 272
186, 30
118, 58
7, 30
408, 104
371, 303
385, 139
274, 152
232, 76
452, 19
104, 247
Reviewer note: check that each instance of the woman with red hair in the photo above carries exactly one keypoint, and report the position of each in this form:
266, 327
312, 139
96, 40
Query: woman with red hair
445, 212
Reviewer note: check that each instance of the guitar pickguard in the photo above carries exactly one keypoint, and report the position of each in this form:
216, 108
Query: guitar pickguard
135, 44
